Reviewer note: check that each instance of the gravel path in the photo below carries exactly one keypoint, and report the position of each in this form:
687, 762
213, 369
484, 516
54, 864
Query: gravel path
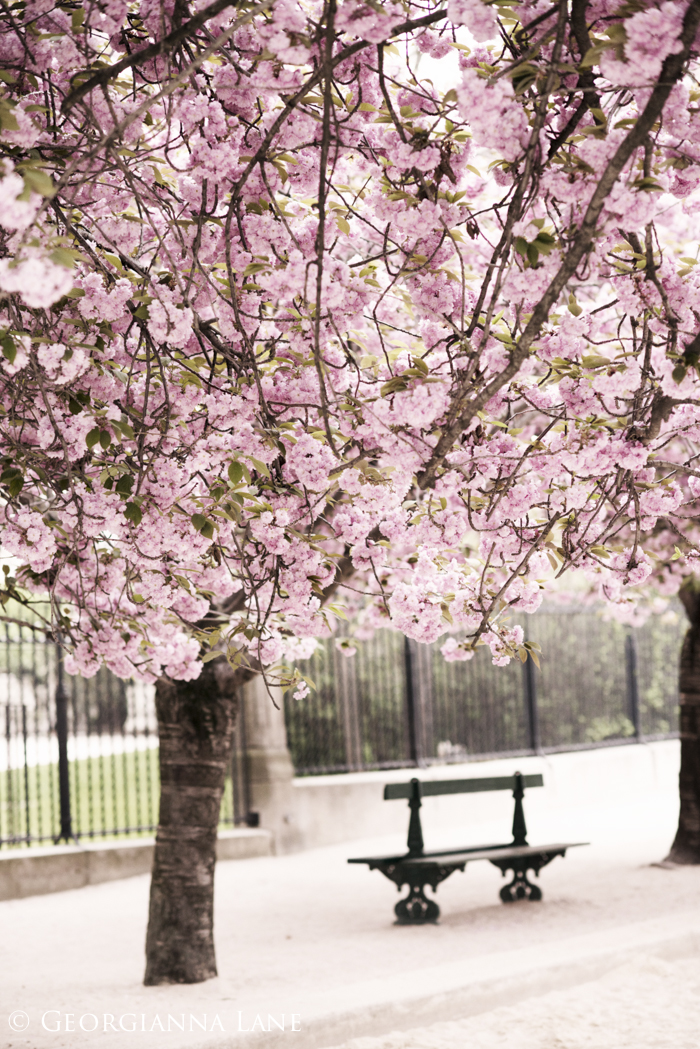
649, 1004
311, 936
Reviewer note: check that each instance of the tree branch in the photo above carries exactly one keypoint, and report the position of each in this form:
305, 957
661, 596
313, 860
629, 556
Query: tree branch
465, 405
160, 47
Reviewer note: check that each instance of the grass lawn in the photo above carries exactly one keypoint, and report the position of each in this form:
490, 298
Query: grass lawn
111, 796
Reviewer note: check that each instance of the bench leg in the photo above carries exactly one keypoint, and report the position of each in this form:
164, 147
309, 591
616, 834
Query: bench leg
416, 908
520, 888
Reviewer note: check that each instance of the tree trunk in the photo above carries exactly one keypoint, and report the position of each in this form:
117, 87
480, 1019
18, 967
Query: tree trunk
195, 725
686, 847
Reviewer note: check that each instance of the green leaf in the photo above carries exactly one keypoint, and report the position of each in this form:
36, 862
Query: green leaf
208, 656
63, 256
40, 182
628, 122
203, 525
132, 512
105, 439
15, 486
260, 466
93, 437
523, 76
125, 484
158, 176
647, 185
544, 242
342, 224
9, 350
393, 385
8, 120
235, 473
595, 360
592, 56
574, 306
679, 373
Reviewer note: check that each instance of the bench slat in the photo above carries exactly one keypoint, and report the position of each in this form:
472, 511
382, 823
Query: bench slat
505, 852
429, 788
478, 852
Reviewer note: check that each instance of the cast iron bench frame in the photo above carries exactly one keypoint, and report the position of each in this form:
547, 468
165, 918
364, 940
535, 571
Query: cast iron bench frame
418, 868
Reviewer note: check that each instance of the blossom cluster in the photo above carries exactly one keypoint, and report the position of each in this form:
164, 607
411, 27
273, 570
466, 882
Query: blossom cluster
295, 329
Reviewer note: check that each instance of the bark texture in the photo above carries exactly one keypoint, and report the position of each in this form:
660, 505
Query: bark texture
195, 724
686, 847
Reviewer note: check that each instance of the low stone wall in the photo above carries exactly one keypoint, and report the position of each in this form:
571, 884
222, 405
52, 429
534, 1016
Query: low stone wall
33, 872
313, 811
323, 810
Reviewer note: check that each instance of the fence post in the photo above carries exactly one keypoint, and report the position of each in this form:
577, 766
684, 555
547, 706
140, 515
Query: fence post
411, 704
531, 710
345, 675
633, 683
270, 773
66, 832
10, 808
27, 814
240, 771
422, 663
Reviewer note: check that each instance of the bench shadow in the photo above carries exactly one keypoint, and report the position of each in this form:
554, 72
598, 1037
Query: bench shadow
520, 912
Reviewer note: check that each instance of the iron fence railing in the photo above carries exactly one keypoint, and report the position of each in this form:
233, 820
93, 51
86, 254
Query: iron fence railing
79, 757
398, 703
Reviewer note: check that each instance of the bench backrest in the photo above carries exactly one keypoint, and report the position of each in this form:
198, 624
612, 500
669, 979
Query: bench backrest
417, 789
428, 788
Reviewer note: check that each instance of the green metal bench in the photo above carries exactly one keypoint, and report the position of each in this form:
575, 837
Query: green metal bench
418, 868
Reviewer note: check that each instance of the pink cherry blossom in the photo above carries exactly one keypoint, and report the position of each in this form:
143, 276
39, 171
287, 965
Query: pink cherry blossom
304, 334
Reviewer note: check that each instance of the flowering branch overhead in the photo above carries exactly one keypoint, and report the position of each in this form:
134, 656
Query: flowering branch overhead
342, 309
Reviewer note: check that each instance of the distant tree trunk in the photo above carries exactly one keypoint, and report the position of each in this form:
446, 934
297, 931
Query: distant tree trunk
686, 847
195, 725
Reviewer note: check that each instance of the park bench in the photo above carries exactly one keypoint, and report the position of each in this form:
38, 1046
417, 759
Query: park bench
418, 868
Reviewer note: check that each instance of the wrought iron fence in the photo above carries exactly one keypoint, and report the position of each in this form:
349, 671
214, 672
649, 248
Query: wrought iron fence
79, 757
398, 703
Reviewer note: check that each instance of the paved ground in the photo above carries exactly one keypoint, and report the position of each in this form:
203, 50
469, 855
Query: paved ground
309, 937
646, 1004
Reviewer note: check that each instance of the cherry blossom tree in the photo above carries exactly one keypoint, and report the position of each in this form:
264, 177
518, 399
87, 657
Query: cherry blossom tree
322, 309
